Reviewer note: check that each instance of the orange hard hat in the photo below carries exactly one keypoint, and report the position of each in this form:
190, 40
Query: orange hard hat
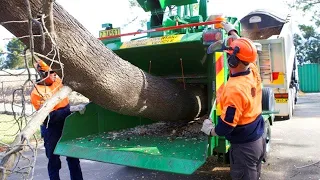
42, 66
247, 50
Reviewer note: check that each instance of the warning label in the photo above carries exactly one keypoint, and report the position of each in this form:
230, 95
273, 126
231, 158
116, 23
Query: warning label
152, 41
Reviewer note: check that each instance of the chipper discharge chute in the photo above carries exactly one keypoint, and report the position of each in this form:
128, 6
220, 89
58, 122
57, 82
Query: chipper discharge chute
175, 48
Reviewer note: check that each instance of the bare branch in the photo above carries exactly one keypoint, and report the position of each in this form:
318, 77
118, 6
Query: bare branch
35, 121
27, 36
47, 58
42, 34
9, 22
47, 10
31, 46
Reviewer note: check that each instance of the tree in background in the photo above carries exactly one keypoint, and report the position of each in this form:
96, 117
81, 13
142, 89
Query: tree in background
307, 46
2, 58
299, 50
14, 59
309, 6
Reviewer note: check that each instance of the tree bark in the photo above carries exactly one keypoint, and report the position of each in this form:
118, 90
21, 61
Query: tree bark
96, 72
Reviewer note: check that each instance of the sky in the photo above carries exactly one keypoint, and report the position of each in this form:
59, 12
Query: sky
92, 14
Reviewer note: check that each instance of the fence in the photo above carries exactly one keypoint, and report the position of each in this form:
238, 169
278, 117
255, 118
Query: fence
309, 77
10, 96
10, 80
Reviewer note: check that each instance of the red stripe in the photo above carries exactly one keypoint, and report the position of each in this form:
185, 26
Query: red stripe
219, 64
164, 29
219, 91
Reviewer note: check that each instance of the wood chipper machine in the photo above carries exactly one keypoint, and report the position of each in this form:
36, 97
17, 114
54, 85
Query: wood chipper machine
175, 48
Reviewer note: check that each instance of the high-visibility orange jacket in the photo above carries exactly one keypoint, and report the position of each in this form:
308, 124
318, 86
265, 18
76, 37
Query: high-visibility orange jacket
241, 120
41, 93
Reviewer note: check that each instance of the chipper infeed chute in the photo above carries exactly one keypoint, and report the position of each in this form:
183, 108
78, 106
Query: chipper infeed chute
105, 136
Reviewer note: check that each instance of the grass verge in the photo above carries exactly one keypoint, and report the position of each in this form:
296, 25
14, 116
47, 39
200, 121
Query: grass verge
9, 128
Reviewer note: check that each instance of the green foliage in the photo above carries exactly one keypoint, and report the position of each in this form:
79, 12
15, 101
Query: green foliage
133, 3
307, 46
15, 59
2, 58
309, 6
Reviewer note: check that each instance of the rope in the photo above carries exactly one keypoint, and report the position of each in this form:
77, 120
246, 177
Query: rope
149, 67
184, 84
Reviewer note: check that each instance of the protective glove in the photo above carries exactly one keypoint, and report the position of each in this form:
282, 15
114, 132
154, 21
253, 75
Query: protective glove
83, 109
228, 27
207, 126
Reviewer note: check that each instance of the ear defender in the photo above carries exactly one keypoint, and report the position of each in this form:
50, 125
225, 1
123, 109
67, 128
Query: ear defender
233, 61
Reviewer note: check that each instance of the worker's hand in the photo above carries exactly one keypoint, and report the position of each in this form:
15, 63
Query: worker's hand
207, 126
229, 27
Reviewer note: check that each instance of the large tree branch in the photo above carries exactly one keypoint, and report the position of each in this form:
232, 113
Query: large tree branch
99, 74
35, 121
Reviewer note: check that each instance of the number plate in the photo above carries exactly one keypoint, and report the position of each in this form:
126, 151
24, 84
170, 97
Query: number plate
281, 100
110, 32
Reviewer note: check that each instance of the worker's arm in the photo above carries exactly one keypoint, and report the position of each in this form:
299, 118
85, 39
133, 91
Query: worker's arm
231, 30
59, 115
234, 33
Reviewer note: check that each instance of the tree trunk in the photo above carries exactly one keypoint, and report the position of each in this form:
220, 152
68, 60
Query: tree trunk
96, 72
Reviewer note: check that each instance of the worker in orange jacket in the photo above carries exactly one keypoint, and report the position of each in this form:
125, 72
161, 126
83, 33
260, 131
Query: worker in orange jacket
51, 129
241, 121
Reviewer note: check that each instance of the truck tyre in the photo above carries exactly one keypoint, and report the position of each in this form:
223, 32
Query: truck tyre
268, 102
267, 138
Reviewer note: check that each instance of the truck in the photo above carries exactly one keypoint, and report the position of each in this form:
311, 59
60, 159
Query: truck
277, 60
175, 47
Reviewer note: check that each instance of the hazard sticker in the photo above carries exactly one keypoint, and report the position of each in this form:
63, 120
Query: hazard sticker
282, 100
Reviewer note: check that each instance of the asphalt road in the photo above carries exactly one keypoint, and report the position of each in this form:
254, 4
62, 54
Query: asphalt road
295, 143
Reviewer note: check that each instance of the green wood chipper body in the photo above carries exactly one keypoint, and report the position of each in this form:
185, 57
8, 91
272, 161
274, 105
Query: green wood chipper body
174, 49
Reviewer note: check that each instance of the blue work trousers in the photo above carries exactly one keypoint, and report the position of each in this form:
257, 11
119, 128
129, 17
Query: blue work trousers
51, 136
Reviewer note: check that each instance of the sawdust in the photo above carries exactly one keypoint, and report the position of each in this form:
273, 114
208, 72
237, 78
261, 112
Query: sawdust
190, 129
256, 34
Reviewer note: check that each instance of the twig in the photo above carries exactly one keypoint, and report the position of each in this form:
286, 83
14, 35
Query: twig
306, 165
9, 22
47, 10
41, 33
14, 150
45, 57
21, 37
31, 45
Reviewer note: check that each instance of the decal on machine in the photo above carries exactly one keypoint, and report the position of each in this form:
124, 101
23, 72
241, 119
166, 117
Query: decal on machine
152, 41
